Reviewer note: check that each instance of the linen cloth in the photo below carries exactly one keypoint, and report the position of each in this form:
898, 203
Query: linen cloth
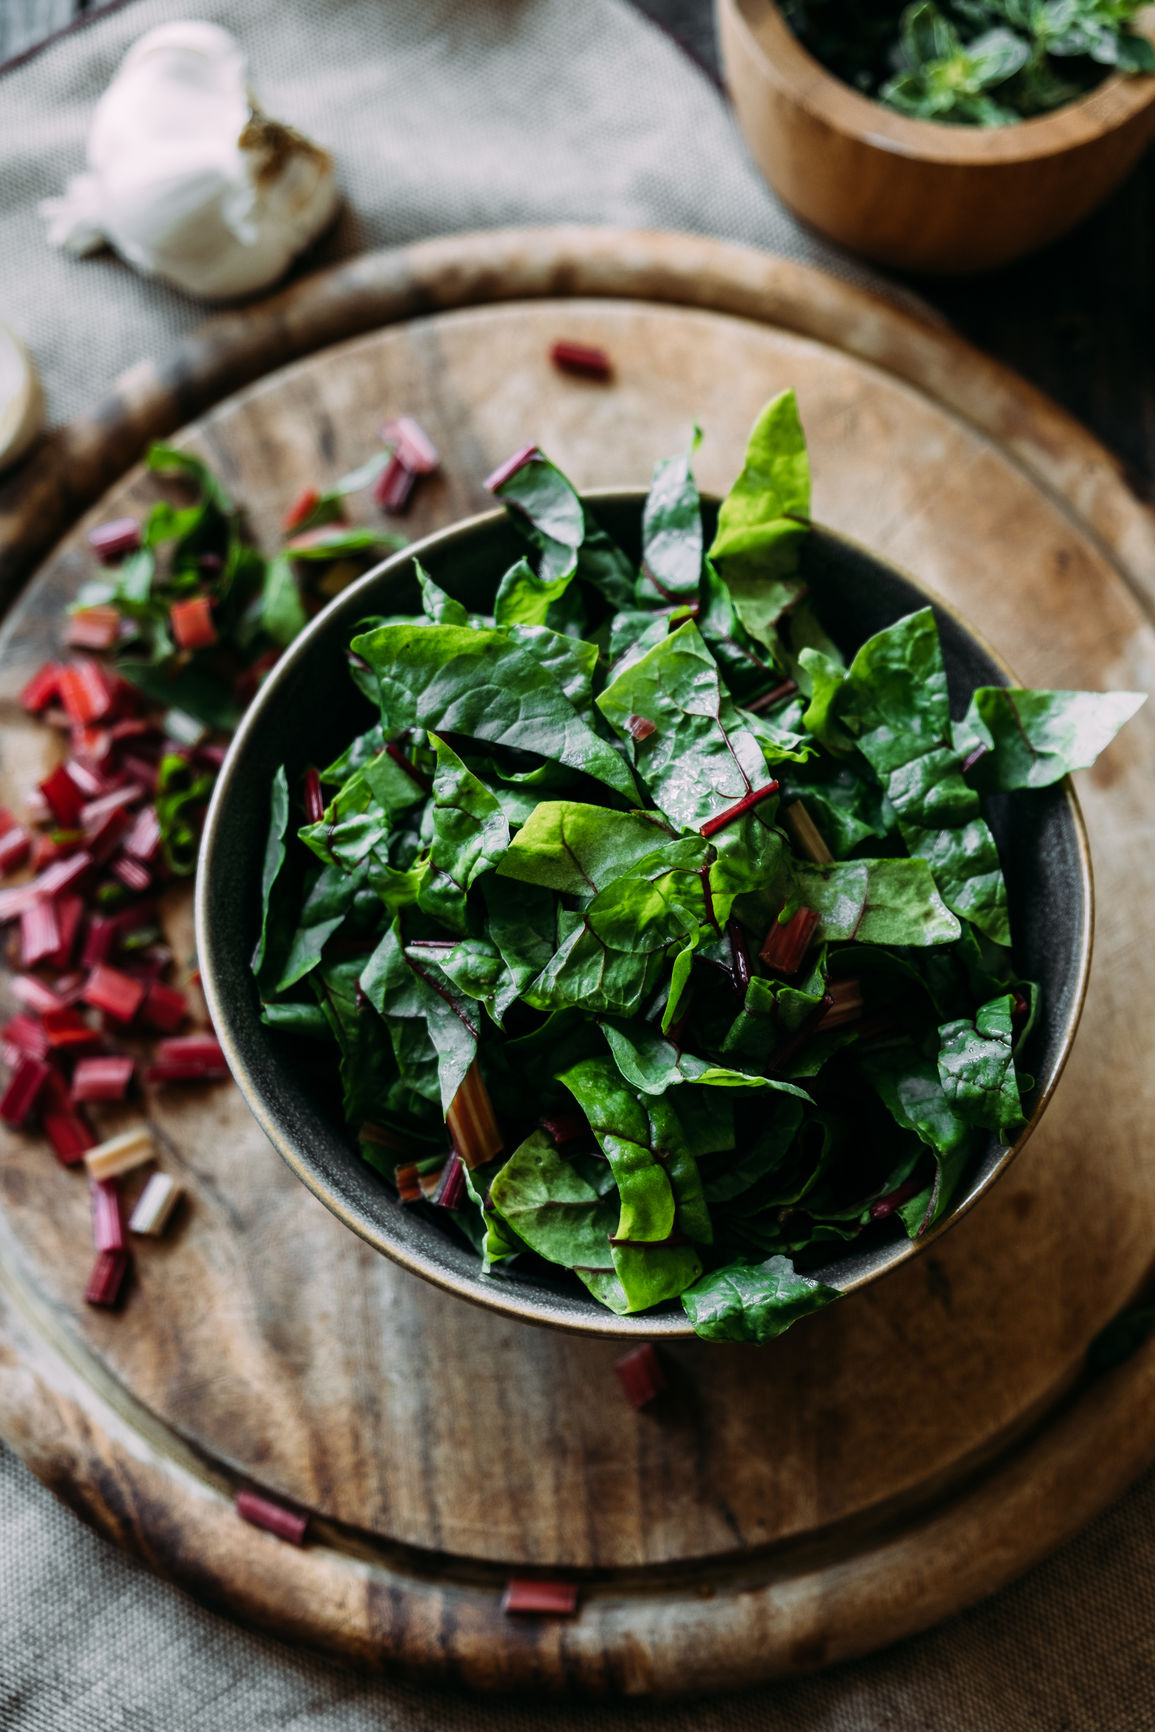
443, 116
449, 115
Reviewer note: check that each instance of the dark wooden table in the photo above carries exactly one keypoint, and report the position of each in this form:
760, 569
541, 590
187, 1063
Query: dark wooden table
1078, 319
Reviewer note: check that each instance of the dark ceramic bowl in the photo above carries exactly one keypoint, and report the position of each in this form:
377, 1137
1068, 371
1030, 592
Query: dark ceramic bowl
306, 713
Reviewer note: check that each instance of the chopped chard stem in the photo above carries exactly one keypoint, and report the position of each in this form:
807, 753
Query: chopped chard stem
788, 941
120, 1154
394, 486
42, 689
746, 804
189, 1058
314, 798
164, 1008
567, 1128
107, 1278
510, 467
409, 441
276, 1518
23, 1091
472, 1123
155, 1206
451, 1187
524, 1596
846, 1003
894, 1199
408, 1181
102, 1079
300, 510
641, 727
192, 623
805, 834
740, 954
641, 1376
107, 1215
115, 993
110, 541
583, 359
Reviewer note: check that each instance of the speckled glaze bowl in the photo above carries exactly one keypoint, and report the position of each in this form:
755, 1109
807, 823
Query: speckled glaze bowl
306, 713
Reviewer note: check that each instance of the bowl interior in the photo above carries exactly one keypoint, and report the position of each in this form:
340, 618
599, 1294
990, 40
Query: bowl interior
306, 713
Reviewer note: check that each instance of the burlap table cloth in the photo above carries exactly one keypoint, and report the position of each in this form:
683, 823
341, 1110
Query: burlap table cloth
450, 115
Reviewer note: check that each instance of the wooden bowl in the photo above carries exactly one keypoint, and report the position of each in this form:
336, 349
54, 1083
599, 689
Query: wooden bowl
306, 713
919, 194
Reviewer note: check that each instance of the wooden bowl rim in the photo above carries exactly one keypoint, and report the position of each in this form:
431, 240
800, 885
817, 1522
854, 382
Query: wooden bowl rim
792, 67
575, 1313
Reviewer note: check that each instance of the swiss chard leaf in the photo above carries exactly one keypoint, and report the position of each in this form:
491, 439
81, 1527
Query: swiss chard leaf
1031, 739
652, 1064
453, 680
625, 1134
470, 834
579, 849
405, 992
977, 1068
672, 532
699, 759
546, 507
764, 519
894, 700
740, 1303
552, 1207
911, 1088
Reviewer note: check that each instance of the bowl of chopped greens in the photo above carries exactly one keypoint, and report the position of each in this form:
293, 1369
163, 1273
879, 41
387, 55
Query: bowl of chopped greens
644, 915
943, 135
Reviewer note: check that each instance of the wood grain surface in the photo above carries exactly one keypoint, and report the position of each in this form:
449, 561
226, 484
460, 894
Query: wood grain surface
915, 194
888, 1461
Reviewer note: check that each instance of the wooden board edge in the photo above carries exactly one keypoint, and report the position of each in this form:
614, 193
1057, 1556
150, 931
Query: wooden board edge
81, 461
155, 1501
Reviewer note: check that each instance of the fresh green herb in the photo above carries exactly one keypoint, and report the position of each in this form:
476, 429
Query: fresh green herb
974, 62
546, 903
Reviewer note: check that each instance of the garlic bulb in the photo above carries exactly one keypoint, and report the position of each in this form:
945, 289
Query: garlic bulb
21, 399
187, 179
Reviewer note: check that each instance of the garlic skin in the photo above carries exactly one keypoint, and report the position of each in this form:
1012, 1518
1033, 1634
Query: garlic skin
187, 179
21, 399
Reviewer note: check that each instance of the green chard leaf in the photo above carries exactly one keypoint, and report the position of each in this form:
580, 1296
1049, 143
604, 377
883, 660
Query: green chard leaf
546, 507
568, 846
454, 680
553, 1208
740, 1303
283, 614
442, 609
764, 519
672, 532
894, 700
367, 1067
912, 1090
699, 760
272, 864
652, 1064
977, 1068
1032, 739
406, 992
470, 834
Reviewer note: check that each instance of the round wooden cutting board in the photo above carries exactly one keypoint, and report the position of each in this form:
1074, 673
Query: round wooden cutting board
888, 1461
